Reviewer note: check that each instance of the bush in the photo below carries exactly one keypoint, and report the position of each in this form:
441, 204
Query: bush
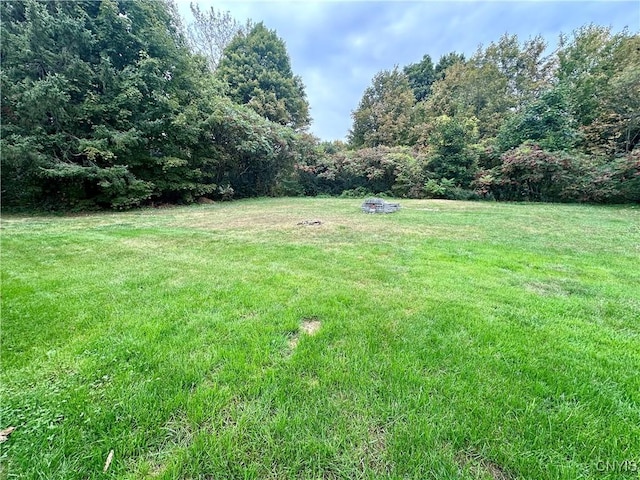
618, 181
531, 173
397, 170
447, 189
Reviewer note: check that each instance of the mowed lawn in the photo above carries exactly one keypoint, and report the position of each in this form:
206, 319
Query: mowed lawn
450, 340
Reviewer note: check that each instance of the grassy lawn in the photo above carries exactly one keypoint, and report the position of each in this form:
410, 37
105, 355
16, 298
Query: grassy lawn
450, 340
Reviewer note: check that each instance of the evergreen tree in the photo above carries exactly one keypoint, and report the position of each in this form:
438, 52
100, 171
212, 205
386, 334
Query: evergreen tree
421, 76
103, 106
257, 70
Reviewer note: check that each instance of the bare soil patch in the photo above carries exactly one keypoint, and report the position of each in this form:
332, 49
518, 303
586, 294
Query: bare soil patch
309, 326
481, 467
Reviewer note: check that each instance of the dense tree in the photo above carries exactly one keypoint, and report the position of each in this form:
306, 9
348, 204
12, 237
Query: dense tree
601, 73
257, 69
532, 173
445, 62
547, 121
494, 83
87, 89
451, 154
469, 116
474, 92
104, 106
585, 64
617, 128
395, 171
421, 76
384, 115
526, 68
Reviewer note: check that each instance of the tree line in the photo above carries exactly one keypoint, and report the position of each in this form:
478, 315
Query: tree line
512, 122
116, 104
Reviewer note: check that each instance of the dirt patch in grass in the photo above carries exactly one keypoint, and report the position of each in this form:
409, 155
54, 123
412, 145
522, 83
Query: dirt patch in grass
373, 454
546, 289
309, 326
157, 470
309, 223
141, 243
481, 467
556, 288
178, 432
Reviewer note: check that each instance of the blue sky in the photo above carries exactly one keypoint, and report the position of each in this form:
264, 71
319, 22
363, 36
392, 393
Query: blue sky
338, 46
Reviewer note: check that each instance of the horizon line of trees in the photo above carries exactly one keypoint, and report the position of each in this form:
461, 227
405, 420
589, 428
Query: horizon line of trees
509, 123
117, 104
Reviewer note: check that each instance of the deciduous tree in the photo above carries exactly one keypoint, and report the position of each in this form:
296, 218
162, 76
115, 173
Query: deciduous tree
601, 73
547, 121
211, 31
384, 115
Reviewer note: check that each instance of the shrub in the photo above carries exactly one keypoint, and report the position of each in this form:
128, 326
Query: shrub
532, 174
627, 171
397, 170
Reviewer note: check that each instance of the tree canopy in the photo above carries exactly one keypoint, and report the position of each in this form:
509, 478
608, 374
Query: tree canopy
384, 114
211, 31
257, 69
512, 103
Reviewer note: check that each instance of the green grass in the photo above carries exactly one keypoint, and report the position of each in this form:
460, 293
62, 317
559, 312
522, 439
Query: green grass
457, 341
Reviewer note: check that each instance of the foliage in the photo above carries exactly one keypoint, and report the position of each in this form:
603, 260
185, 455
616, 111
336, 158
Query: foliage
473, 92
515, 123
528, 72
421, 76
398, 171
622, 175
93, 96
257, 70
447, 60
113, 104
449, 141
617, 127
383, 116
495, 82
447, 188
546, 121
600, 71
531, 173
104, 106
